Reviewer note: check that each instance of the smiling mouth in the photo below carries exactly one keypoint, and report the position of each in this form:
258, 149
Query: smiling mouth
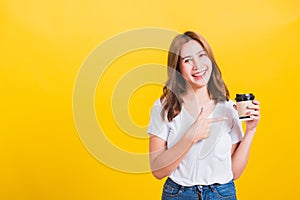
200, 74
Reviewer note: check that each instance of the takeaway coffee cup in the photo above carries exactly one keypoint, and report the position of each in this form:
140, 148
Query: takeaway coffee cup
242, 101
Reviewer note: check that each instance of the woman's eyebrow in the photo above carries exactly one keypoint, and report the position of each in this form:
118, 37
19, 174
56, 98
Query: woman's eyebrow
196, 54
201, 51
186, 57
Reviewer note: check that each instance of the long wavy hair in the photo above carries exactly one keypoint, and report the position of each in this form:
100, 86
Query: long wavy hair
176, 85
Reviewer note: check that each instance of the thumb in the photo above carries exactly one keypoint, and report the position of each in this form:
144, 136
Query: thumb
234, 105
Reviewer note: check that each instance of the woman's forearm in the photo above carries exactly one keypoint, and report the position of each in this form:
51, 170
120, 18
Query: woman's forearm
164, 161
241, 154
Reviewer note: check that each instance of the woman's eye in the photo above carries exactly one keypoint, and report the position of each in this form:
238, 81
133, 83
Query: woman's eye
188, 60
202, 54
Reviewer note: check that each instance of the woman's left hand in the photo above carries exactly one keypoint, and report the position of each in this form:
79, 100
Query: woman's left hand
254, 112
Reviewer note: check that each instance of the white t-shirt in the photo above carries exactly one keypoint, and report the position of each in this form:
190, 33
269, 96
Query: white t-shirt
209, 160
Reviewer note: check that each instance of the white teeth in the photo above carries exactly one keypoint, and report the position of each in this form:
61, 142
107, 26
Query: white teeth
200, 73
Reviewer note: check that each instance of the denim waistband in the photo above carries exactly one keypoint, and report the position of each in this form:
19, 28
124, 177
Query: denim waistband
170, 181
214, 191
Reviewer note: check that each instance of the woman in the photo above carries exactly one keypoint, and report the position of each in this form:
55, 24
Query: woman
196, 138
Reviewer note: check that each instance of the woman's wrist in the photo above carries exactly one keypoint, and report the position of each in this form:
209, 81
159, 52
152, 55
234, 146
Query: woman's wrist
253, 130
190, 135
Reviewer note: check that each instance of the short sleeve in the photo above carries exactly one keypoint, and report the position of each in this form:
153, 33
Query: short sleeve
157, 125
236, 131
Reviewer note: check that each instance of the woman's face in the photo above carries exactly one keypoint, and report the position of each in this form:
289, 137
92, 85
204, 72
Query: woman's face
195, 65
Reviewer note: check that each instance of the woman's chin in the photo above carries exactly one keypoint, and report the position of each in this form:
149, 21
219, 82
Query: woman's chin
199, 84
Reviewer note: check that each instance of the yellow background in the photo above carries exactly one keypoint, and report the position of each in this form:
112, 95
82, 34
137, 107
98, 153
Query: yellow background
43, 44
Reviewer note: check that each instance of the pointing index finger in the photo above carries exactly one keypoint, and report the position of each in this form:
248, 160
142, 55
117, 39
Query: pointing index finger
218, 119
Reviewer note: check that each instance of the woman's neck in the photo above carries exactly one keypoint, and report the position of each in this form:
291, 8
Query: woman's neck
200, 95
196, 100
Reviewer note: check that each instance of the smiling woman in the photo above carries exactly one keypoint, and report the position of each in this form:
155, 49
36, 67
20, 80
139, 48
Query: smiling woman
195, 65
190, 56
196, 138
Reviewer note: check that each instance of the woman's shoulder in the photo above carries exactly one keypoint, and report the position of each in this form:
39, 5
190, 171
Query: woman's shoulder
229, 107
157, 106
229, 103
157, 102
156, 111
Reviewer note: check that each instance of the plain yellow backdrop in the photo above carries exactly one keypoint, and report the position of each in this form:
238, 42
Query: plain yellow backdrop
43, 45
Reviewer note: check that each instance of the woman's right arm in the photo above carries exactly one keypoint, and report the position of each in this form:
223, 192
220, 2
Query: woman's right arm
163, 160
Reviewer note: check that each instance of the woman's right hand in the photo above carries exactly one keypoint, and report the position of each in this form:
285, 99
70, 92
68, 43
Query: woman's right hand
200, 129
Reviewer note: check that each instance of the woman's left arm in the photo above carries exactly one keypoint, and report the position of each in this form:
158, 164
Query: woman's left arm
240, 151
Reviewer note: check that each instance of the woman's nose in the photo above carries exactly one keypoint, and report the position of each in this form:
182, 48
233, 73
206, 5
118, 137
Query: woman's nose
196, 63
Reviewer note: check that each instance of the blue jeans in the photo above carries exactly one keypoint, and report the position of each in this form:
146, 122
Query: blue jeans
175, 191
